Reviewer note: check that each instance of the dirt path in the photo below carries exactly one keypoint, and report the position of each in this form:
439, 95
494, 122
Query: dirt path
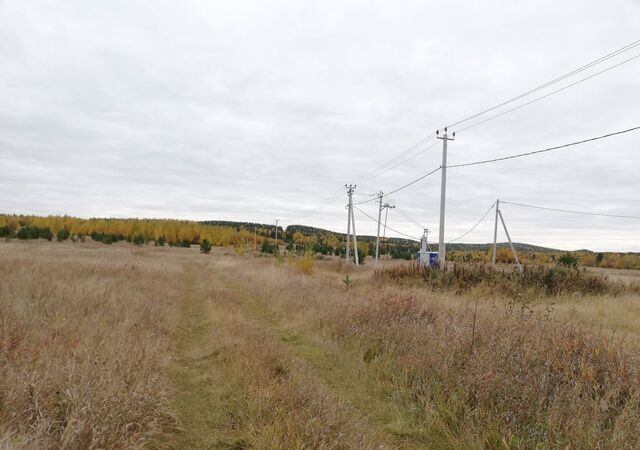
194, 372
240, 385
342, 371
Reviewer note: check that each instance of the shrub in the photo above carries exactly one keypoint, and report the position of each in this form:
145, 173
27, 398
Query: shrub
161, 241
205, 247
5, 231
62, 235
29, 232
106, 238
23, 233
568, 260
306, 264
45, 233
138, 240
267, 248
186, 243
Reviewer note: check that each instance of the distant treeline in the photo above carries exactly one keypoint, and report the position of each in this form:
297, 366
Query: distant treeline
242, 235
138, 231
584, 258
295, 239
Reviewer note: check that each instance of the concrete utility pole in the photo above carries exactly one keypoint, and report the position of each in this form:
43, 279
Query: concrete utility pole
442, 260
355, 238
380, 195
351, 222
277, 246
513, 249
495, 234
386, 206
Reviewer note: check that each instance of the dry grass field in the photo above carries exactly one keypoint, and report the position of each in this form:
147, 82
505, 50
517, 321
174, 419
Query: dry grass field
148, 347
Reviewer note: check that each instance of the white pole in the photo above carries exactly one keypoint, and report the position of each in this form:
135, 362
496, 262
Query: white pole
387, 206
513, 250
349, 192
442, 259
495, 234
355, 239
379, 220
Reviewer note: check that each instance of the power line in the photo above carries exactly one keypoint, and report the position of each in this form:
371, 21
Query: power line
388, 227
413, 182
401, 158
547, 95
549, 83
370, 173
570, 211
403, 161
475, 226
406, 216
403, 187
486, 161
320, 206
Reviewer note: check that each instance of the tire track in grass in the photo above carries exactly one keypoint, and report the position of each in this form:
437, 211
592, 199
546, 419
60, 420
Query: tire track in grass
239, 388
342, 371
193, 373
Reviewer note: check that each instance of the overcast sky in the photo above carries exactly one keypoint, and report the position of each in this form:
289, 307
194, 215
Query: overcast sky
255, 110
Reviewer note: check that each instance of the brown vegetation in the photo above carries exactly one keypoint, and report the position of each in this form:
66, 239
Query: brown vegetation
101, 347
533, 281
84, 341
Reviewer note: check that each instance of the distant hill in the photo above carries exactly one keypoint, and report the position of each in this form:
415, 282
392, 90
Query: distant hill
322, 233
238, 225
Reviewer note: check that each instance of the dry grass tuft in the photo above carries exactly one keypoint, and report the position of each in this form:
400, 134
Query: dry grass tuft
306, 264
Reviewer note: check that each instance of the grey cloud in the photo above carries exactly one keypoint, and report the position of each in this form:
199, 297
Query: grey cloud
253, 111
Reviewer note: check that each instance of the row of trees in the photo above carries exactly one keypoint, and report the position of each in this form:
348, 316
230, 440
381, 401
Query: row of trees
186, 233
137, 231
582, 258
296, 239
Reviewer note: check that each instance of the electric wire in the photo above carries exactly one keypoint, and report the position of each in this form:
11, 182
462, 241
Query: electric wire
519, 155
408, 217
370, 173
400, 158
387, 227
585, 213
475, 226
400, 163
546, 95
404, 186
549, 83
319, 207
